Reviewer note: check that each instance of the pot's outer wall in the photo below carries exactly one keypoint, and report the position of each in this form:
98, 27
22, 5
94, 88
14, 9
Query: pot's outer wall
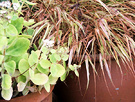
124, 91
34, 97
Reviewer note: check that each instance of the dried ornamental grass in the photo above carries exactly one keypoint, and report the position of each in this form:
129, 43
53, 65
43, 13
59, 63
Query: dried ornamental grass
93, 30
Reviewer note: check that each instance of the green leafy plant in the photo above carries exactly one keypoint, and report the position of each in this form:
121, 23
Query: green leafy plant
23, 68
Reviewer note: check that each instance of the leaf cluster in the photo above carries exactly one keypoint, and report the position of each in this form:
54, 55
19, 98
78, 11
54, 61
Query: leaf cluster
22, 68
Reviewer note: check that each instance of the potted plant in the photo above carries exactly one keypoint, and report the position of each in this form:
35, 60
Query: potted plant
100, 34
24, 67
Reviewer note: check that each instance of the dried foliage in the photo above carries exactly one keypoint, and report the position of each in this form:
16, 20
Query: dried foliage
92, 29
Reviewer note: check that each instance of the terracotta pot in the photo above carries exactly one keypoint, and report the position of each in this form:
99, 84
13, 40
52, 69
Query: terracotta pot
74, 89
34, 97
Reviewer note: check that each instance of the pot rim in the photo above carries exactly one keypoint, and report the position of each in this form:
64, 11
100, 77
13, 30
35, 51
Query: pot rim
26, 98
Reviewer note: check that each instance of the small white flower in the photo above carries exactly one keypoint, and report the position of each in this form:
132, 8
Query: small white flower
3, 11
1, 4
8, 17
5, 4
48, 43
16, 6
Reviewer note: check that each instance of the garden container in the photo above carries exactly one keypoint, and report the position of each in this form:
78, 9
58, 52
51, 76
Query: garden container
42, 96
101, 88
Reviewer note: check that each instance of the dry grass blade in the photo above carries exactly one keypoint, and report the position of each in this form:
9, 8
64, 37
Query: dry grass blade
103, 5
70, 56
46, 32
87, 71
107, 69
101, 64
104, 26
38, 31
86, 49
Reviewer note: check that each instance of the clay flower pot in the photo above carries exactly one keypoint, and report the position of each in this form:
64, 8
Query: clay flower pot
43, 96
74, 88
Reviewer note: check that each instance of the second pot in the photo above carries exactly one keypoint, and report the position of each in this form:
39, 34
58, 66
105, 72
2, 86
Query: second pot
100, 89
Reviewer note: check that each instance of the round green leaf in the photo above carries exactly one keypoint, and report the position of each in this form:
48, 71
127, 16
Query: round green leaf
10, 67
76, 73
23, 67
18, 23
15, 16
43, 56
42, 70
29, 32
45, 50
52, 80
21, 78
45, 63
52, 58
57, 70
63, 77
6, 81
33, 58
7, 94
31, 73
53, 51
3, 42
19, 47
15, 1
40, 79
47, 87
11, 30
21, 86
57, 57
65, 57
18, 58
